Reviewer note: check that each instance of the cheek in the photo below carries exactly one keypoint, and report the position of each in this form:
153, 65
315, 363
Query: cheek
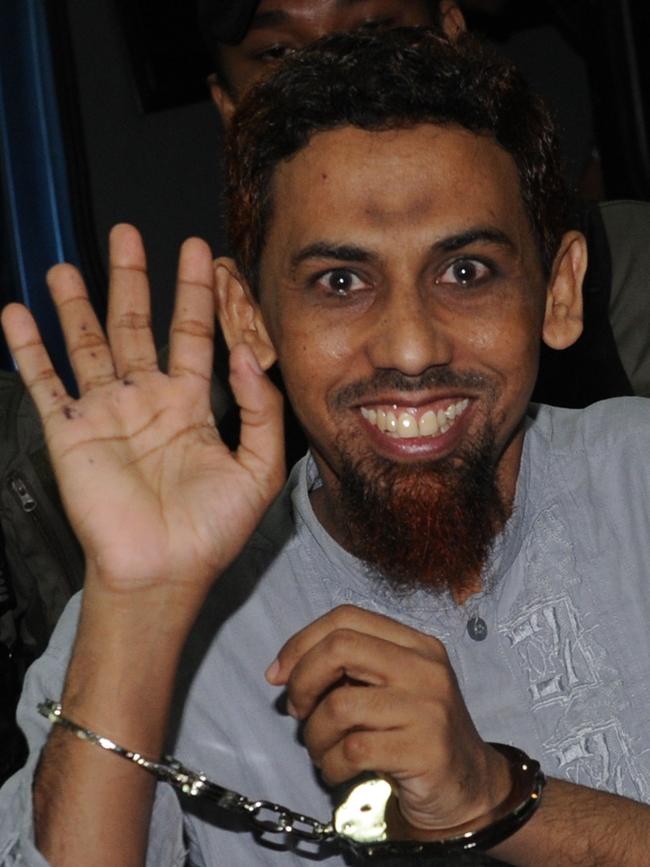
315, 362
496, 345
511, 337
310, 360
310, 342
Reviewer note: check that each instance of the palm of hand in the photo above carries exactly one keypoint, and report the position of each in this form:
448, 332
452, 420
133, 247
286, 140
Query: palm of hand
146, 481
150, 489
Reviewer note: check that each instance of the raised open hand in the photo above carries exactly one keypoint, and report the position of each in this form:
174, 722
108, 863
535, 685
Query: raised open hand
150, 489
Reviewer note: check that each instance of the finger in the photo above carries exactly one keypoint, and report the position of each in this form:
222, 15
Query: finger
353, 708
86, 344
191, 343
363, 658
394, 752
434, 775
32, 360
347, 617
129, 306
261, 446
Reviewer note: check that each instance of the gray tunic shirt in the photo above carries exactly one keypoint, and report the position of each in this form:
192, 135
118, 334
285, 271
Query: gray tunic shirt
563, 673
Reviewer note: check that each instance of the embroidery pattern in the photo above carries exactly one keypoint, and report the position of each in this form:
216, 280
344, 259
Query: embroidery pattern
578, 698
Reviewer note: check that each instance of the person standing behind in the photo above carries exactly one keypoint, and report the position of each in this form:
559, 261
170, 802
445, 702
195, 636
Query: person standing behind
248, 37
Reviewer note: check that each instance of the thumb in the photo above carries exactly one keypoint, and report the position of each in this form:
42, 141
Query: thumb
261, 443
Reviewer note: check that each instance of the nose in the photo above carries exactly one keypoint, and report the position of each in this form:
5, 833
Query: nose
408, 336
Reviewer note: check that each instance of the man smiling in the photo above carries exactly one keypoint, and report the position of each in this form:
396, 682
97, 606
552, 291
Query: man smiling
446, 573
418, 334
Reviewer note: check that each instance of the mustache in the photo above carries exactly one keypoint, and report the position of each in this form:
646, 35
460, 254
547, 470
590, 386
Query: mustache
394, 380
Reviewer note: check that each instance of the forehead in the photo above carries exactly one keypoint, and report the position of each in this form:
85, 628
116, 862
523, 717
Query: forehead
334, 14
403, 186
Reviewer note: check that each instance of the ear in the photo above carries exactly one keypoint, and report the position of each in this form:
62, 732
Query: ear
239, 314
452, 19
563, 316
222, 99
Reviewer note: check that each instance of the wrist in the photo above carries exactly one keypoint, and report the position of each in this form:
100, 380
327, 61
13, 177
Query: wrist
124, 661
472, 791
163, 611
488, 829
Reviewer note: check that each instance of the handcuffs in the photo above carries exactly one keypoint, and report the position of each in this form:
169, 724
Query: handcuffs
361, 823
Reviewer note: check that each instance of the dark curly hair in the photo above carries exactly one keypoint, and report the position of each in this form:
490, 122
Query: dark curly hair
396, 79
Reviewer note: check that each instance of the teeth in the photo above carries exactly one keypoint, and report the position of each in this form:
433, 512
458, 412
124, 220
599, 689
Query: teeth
406, 425
428, 424
369, 414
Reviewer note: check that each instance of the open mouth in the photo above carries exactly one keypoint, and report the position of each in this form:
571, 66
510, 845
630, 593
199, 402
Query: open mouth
415, 422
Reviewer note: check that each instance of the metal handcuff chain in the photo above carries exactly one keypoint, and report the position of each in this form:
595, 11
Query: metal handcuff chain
358, 825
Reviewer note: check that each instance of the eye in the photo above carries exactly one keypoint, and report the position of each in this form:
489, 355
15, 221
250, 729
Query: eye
373, 24
466, 272
339, 282
274, 53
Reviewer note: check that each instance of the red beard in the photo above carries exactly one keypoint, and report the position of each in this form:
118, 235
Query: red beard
426, 525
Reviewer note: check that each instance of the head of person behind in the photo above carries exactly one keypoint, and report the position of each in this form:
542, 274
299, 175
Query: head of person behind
397, 215
246, 38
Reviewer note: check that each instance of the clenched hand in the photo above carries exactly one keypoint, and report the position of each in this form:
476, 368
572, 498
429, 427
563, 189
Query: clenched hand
376, 695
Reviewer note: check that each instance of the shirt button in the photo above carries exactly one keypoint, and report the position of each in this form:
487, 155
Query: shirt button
477, 628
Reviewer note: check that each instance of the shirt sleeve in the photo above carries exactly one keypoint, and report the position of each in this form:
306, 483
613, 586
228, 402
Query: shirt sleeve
45, 680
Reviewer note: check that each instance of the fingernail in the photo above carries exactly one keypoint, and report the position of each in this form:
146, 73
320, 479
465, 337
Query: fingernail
291, 710
272, 671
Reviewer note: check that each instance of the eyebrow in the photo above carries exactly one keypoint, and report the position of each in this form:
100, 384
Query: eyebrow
326, 250
351, 253
478, 235
277, 17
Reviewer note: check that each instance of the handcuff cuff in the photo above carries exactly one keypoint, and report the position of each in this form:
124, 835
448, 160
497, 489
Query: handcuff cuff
361, 823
